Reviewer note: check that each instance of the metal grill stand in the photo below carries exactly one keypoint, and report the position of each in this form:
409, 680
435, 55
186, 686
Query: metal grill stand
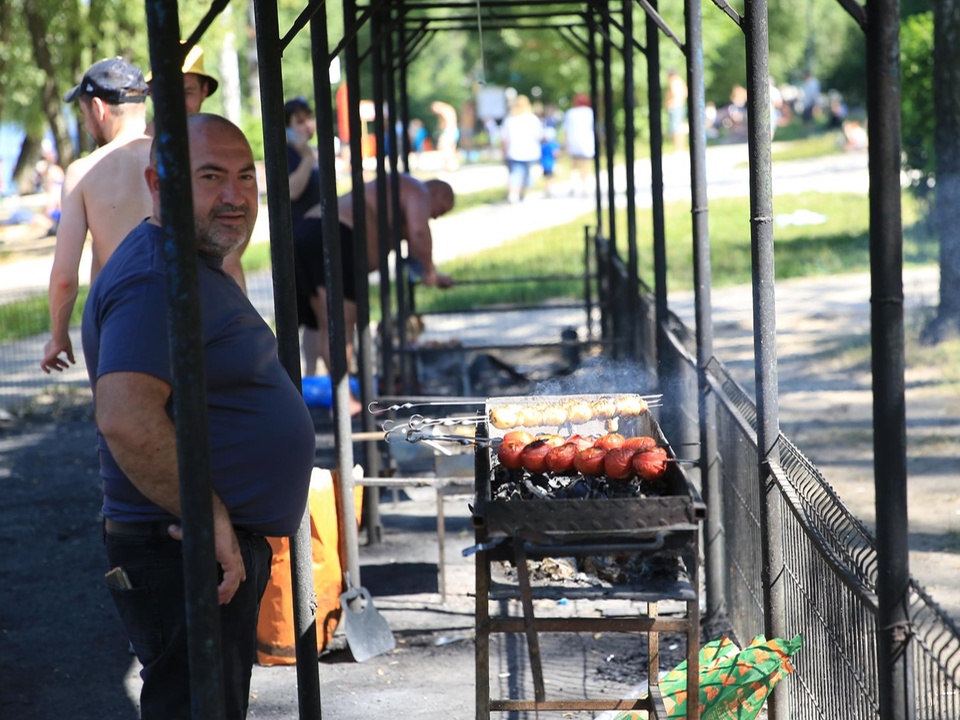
516, 530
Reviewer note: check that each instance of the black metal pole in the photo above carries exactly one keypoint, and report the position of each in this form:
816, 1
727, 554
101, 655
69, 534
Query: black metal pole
631, 343
334, 282
703, 280
887, 338
592, 60
187, 364
655, 118
759, 139
612, 326
383, 230
365, 354
285, 305
404, 63
396, 228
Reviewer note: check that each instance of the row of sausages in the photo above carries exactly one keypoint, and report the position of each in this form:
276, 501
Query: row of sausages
611, 455
573, 411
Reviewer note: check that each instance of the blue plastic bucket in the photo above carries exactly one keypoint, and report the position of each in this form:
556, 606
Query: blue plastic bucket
318, 390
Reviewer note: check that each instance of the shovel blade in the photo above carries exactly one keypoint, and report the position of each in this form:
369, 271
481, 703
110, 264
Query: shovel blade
368, 634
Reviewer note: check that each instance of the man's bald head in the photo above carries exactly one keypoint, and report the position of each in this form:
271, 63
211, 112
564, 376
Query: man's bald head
224, 181
442, 198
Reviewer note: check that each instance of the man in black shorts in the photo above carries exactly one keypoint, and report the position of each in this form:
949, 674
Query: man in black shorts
308, 247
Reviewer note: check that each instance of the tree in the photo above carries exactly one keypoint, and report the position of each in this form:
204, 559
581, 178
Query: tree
946, 204
930, 70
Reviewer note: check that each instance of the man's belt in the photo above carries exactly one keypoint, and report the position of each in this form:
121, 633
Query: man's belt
150, 528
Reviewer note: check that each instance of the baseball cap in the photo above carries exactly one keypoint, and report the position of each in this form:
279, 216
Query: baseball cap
114, 80
193, 64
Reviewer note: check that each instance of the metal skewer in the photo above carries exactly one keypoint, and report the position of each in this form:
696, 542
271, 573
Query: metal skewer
375, 409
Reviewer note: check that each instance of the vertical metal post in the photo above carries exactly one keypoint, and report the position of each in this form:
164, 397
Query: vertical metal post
396, 231
284, 298
759, 138
383, 231
334, 280
611, 326
655, 118
631, 343
887, 338
714, 550
404, 148
365, 354
594, 105
187, 364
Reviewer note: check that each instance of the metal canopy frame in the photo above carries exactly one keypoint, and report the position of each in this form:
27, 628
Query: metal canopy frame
404, 27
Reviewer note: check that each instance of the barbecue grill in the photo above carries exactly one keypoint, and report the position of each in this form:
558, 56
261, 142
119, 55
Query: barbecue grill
657, 521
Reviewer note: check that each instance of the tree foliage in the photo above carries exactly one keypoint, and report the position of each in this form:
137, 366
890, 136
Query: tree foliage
46, 44
918, 119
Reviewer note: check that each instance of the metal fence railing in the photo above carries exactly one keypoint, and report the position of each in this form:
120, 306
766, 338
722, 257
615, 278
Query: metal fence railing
829, 573
830, 558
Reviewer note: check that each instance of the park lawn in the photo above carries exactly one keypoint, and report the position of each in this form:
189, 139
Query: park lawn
516, 272
548, 264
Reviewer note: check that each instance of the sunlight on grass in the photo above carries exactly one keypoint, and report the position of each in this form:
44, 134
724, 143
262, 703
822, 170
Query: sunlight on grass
30, 316
516, 271
815, 146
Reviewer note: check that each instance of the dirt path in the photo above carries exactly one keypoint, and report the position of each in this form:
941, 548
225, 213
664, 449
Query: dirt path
825, 402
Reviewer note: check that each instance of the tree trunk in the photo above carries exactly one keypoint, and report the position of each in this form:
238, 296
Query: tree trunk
253, 64
26, 162
946, 209
49, 92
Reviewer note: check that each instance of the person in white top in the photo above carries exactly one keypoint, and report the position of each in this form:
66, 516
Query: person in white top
520, 137
578, 133
104, 193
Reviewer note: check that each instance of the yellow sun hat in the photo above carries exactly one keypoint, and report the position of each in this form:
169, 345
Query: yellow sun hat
193, 63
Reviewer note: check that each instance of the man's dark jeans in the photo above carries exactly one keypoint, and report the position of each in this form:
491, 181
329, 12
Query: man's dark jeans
154, 616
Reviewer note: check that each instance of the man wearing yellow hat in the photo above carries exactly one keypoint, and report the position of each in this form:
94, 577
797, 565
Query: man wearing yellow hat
197, 85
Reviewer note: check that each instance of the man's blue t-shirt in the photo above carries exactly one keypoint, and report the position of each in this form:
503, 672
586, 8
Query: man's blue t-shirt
261, 436
311, 193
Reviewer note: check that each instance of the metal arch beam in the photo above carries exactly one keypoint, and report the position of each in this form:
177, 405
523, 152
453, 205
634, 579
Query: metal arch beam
300, 23
578, 44
350, 32
602, 30
661, 23
857, 12
731, 13
216, 7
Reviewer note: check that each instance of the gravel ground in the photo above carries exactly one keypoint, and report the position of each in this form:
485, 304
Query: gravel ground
63, 652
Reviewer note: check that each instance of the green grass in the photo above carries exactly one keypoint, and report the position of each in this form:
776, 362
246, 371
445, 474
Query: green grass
30, 316
813, 146
837, 246
518, 269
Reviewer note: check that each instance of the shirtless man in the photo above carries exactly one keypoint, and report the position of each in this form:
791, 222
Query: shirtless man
419, 203
103, 192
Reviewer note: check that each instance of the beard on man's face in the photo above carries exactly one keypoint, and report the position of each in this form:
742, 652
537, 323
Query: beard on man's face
217, 238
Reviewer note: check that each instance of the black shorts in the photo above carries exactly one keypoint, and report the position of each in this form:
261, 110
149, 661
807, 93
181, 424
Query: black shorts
308, 264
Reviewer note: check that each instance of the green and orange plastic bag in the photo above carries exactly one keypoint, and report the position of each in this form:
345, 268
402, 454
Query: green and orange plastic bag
734, 683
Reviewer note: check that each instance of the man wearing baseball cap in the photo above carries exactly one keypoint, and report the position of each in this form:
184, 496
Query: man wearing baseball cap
104, 193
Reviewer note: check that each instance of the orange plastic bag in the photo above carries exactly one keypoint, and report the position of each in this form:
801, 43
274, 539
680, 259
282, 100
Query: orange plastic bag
276, 631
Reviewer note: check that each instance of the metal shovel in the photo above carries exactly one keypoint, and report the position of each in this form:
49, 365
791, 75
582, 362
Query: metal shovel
368, 634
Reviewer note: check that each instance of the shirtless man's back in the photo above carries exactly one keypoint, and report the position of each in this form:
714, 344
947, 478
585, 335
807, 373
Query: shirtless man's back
93, 205
419, 203
104, 193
